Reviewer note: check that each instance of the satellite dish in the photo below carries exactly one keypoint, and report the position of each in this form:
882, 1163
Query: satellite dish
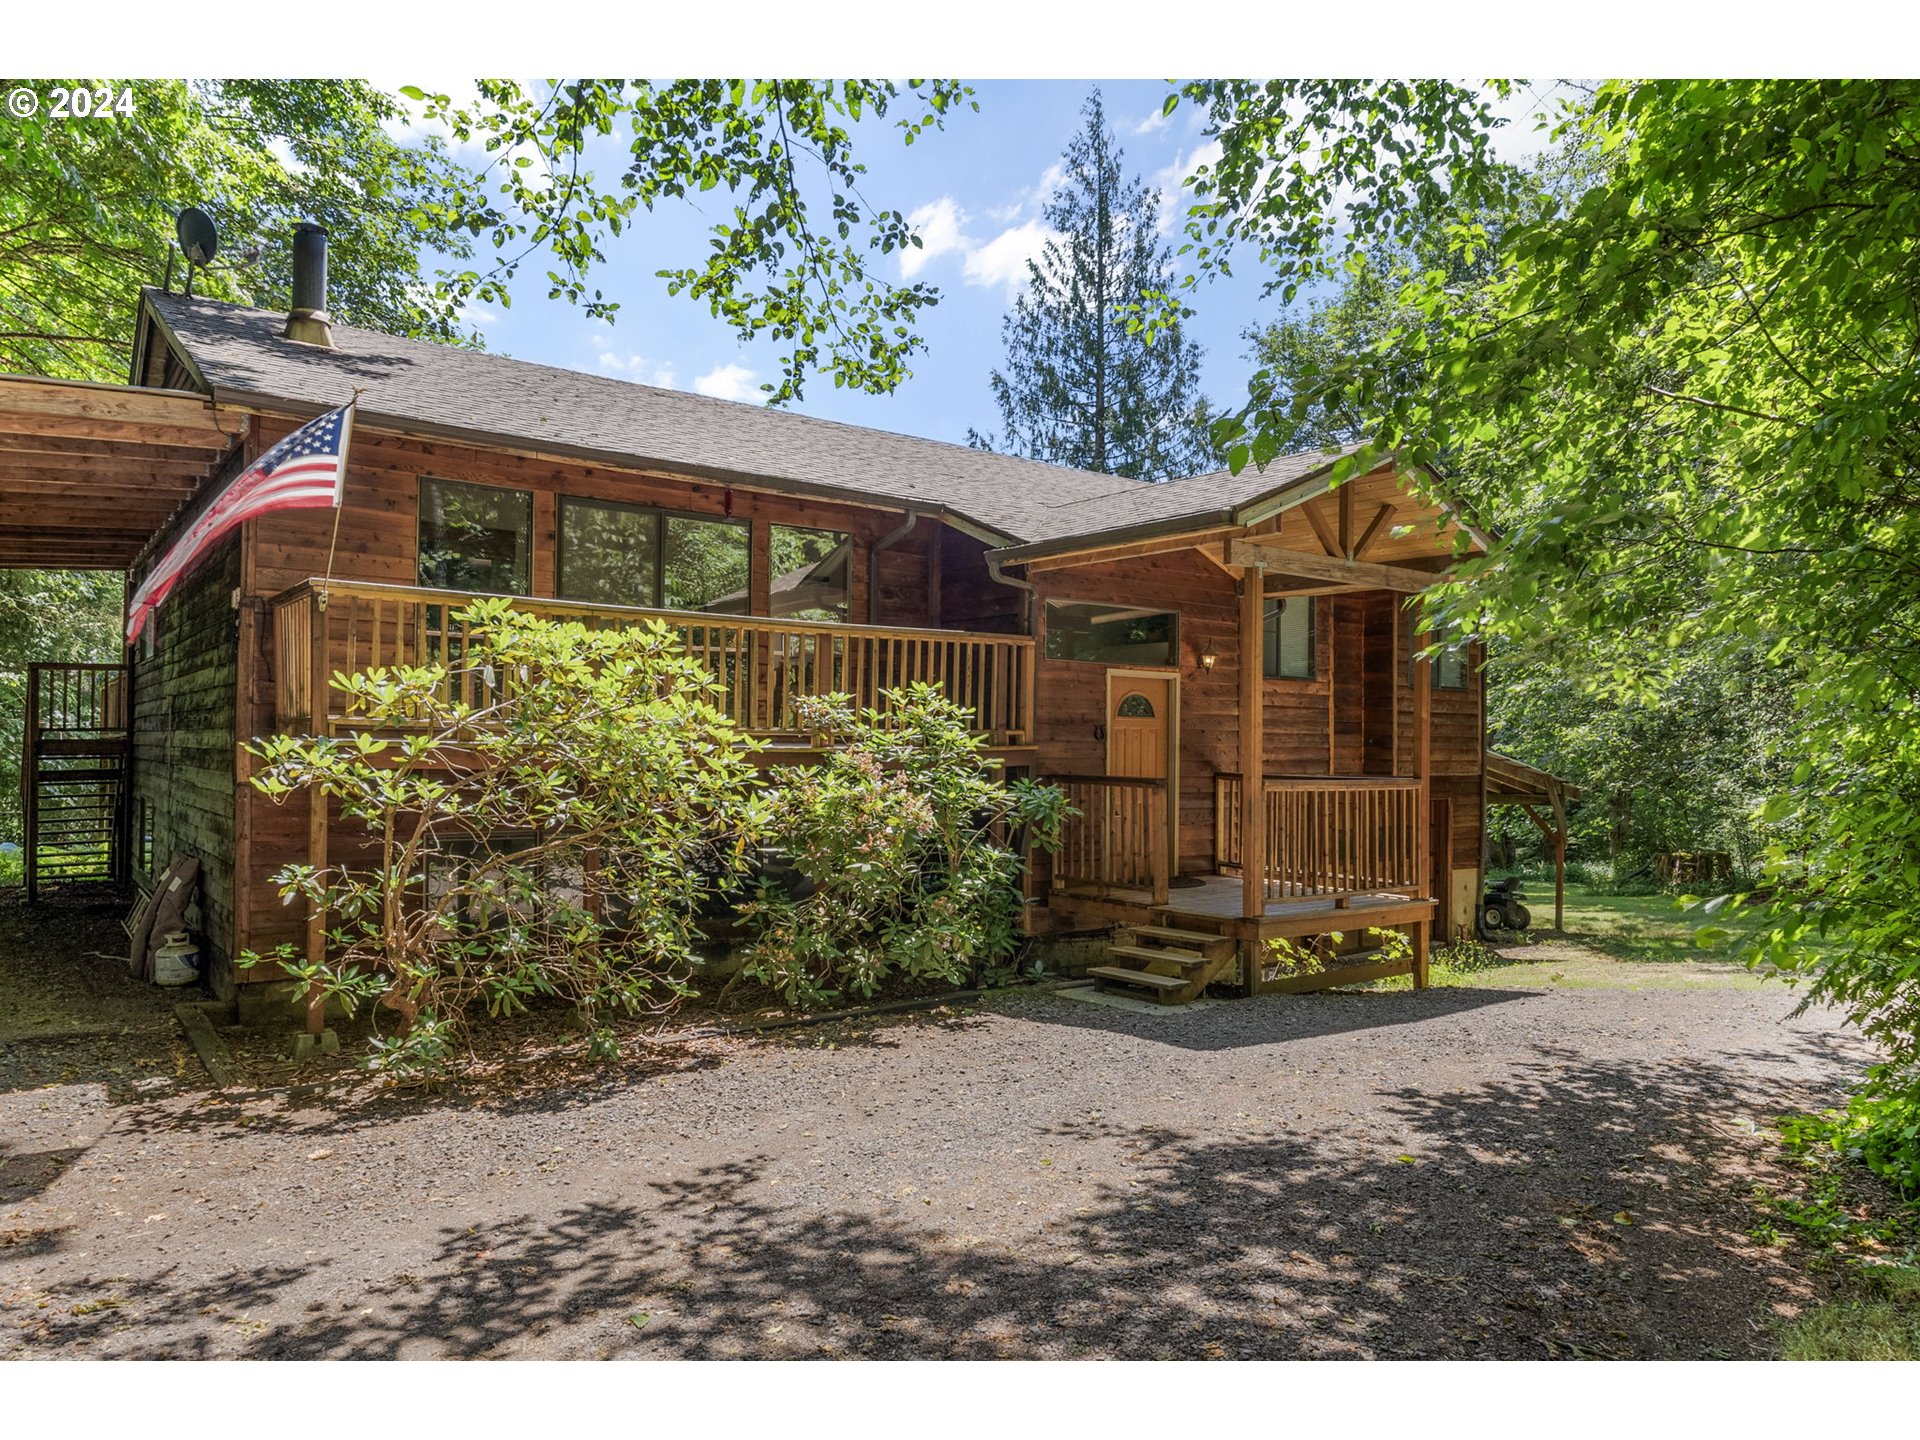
198, 240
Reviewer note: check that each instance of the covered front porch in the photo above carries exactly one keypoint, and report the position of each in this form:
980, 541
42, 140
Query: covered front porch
1314, 780
1337, 859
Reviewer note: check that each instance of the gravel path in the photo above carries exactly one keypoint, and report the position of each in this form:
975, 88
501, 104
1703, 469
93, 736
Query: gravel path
1487, 1172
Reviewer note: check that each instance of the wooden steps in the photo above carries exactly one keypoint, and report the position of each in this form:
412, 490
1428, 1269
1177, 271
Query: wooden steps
1165, 964
1144, 979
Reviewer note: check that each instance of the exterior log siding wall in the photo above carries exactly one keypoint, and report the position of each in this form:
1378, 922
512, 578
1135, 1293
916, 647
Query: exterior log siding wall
1355, 717
183, 746
210, 684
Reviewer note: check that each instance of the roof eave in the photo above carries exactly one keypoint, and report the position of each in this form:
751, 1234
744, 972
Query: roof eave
560, 449
1249, 512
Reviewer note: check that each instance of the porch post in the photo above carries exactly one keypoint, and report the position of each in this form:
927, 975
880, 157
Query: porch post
1423, 770
320, 704
1253, 768
1423, 761
1559, 855
317, 913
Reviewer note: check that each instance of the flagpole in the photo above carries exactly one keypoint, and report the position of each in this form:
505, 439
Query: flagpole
339, 497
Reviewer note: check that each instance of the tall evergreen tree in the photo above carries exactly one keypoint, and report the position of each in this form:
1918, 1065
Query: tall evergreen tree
1079, 387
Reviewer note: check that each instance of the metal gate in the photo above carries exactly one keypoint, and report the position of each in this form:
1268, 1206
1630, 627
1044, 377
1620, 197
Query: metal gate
73, 775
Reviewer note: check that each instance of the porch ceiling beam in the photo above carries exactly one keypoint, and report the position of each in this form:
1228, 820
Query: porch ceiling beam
1379, 522
69, 450
88, 427
105, 401
1332, 568
166, 493
1290, 585
1329, 542
76, 469
93, 557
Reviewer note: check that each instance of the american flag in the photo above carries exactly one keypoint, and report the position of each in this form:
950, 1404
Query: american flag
305, 471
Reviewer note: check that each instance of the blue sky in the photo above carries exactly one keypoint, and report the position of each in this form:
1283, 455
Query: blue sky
975, 191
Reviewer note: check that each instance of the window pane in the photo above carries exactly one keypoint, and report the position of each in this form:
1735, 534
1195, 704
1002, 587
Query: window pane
1112, 635
475, 537
705, 565
1289, 638
609, 554
1449, 666
811, 574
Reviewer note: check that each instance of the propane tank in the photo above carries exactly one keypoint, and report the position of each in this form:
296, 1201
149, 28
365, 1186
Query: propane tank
177, 962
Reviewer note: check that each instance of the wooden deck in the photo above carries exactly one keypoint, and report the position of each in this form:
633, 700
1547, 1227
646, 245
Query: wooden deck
1215, 905
1336, 929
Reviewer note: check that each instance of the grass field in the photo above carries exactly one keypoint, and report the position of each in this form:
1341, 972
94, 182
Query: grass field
1612, 942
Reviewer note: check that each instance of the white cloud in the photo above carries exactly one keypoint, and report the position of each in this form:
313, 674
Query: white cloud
1522, 137
1151, 123
941, 227
630, 364
413, 126
471, 314
728, 382
1003, 259
1171, 183
1033, 197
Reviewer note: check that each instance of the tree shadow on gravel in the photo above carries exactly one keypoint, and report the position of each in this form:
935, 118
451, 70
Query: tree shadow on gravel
351, 1101
1570, 1208
1269, 1019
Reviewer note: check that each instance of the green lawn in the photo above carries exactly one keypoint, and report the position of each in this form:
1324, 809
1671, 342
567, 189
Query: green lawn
1612, 942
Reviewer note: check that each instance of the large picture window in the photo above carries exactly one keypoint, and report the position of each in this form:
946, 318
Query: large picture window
1287, 632
705, 564
1112, 634
475, 537
811, 577
614, 554
609, 554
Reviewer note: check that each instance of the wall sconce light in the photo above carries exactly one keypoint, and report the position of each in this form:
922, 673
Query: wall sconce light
1207, 657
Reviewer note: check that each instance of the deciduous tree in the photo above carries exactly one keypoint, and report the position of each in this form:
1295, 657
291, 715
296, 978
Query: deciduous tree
1698, 378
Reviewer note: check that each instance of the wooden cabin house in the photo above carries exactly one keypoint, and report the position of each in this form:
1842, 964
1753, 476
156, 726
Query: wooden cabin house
1223, 670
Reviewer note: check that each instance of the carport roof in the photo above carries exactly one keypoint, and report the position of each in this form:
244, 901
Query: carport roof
88, 473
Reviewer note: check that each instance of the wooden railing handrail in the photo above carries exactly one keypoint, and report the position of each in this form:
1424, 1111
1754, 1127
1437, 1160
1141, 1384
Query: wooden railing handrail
1329, 836
1311, 782
1116, 842
764, 667
1340, 782
421, 594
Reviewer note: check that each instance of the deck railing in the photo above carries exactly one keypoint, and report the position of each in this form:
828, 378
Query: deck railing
763, 666
1328, 836
1119, 838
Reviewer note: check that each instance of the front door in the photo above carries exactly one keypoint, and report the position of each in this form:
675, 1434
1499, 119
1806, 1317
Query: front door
1140, 738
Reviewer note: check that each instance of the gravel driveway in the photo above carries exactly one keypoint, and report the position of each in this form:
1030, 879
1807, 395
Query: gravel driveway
1484, 1172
